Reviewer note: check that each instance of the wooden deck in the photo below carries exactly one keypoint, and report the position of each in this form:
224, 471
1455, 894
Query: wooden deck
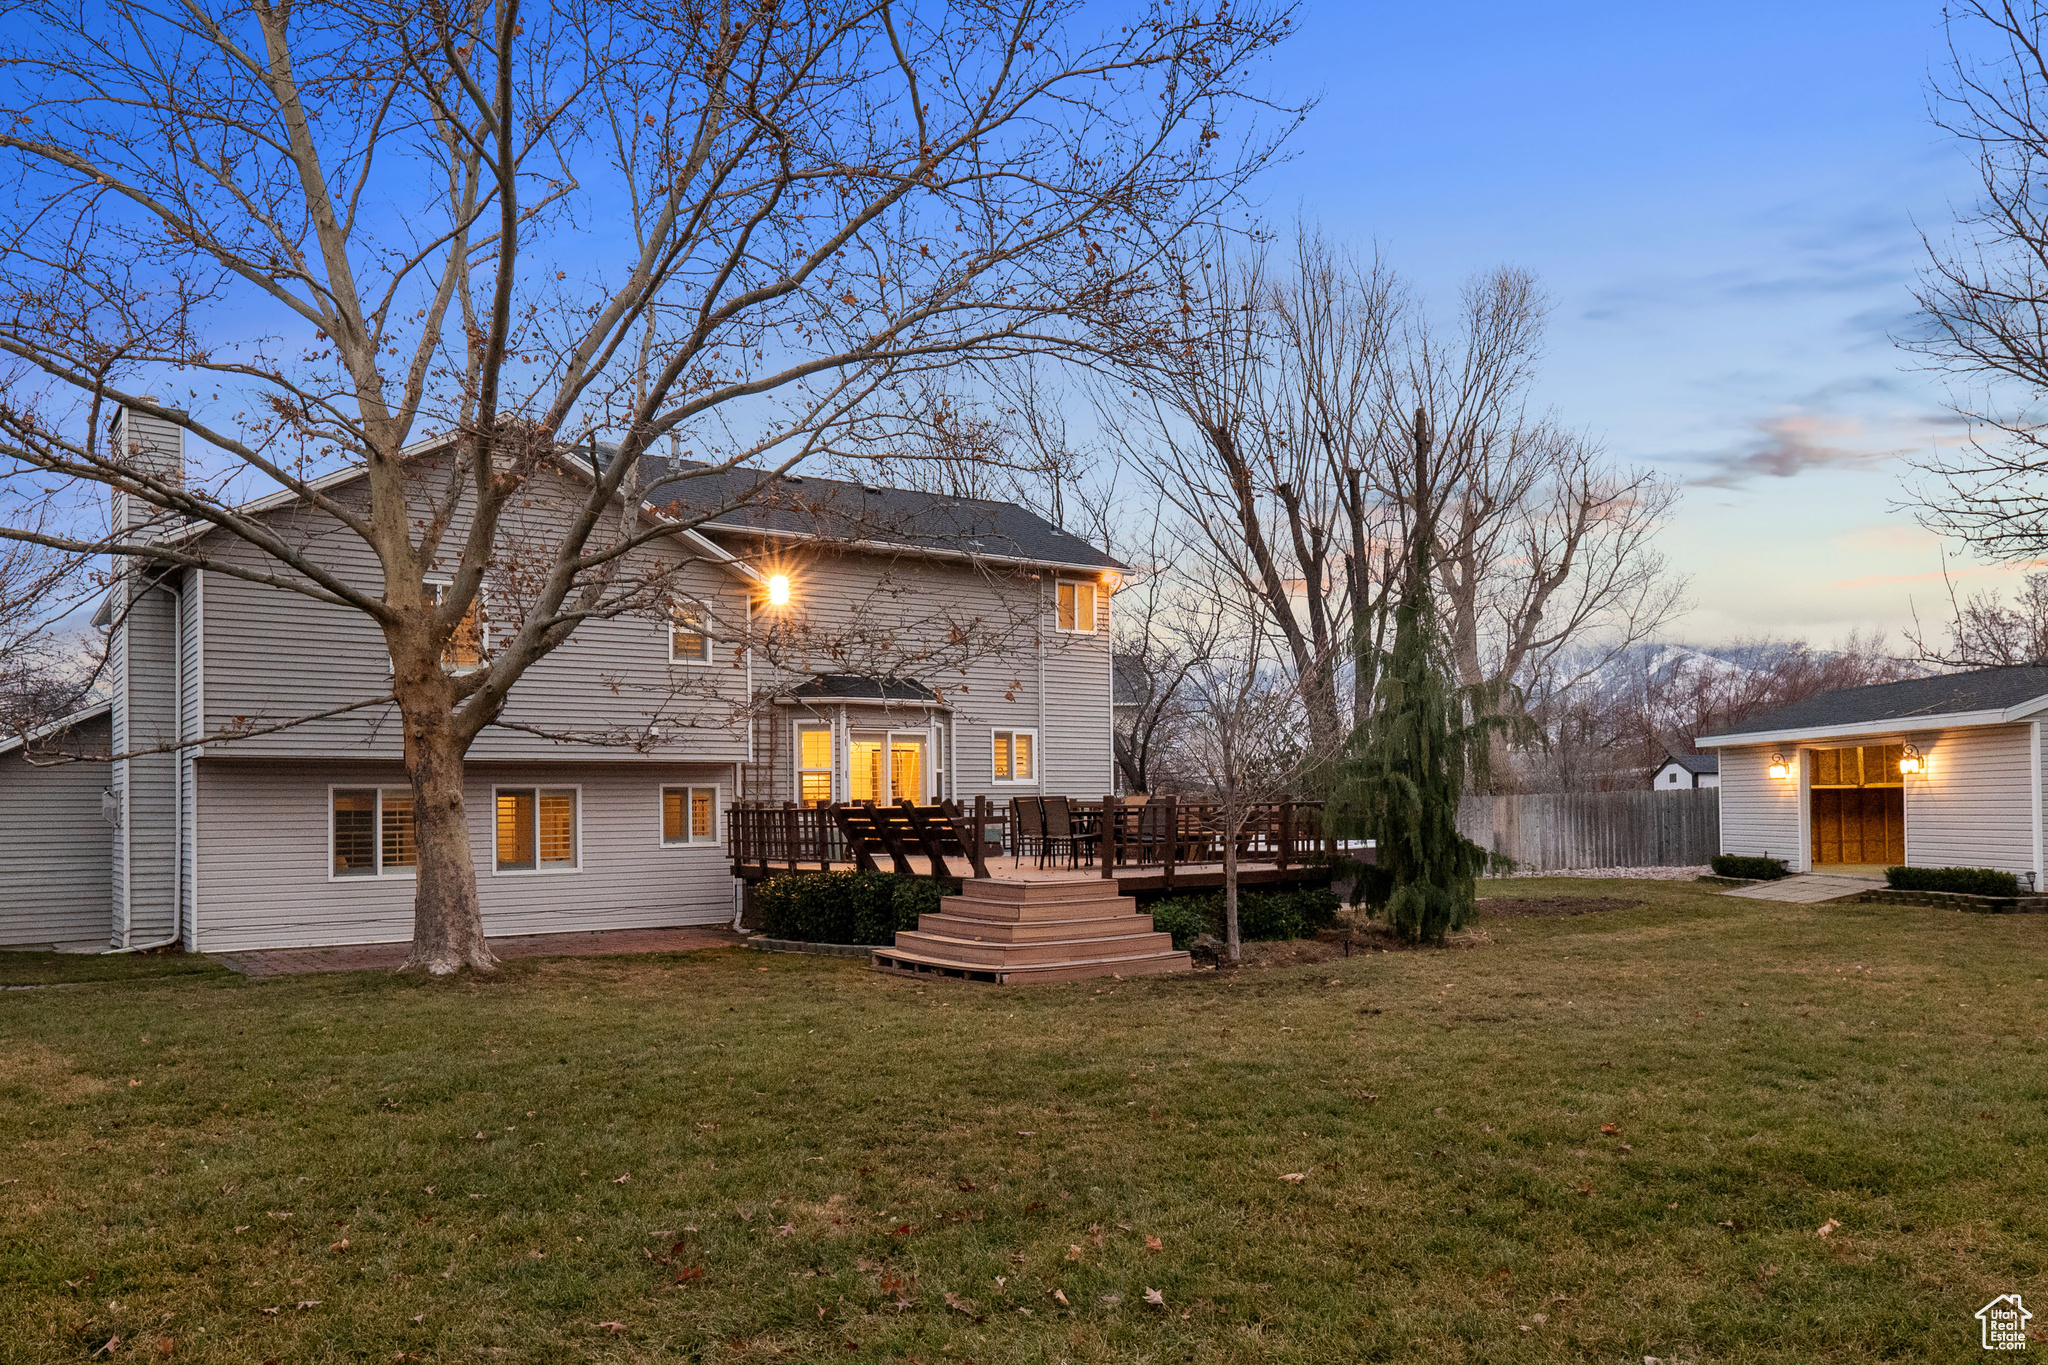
1162, 846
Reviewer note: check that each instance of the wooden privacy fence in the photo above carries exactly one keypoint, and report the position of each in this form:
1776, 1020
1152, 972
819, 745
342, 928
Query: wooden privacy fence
1561, 830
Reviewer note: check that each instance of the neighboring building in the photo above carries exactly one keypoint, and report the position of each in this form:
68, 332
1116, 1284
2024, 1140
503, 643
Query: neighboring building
1930, 772
931, 647
1682, 771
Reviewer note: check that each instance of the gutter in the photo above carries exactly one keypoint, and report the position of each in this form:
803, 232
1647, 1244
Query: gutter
1887, 725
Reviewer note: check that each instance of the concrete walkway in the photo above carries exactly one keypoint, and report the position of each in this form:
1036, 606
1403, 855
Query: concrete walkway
371, 956
1808, 888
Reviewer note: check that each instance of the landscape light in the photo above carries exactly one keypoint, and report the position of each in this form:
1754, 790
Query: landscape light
778, 590
1911, 762
1779, 769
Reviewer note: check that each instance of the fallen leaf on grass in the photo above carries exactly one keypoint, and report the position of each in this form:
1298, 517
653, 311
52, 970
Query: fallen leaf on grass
958, 1304
1073, 1253
1154, 1244
338, 1247
1059, 1296
1155, 1298
1610, 1129
1295, 1177
613, 1326
108, 1348
309, 1303
688, 1273
164, 1346
902, 1230
1828, 1228
623, 1179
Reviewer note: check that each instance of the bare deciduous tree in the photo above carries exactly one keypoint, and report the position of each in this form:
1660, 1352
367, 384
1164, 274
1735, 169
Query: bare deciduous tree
346, 232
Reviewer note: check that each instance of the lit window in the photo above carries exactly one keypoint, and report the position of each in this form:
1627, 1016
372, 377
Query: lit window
1076, 606
1014, 757
814, 765
687, 642
372, 831
536, 829
469, 646
689, 815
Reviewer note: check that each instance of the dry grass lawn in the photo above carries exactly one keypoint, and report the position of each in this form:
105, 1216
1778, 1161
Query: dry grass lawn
1590, 1136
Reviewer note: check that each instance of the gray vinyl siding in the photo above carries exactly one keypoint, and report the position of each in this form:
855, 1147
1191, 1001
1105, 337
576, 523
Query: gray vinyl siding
56, 859
883, 611
149, 644
264, 883
191, 715
1760, 814
1972, 806
274, 655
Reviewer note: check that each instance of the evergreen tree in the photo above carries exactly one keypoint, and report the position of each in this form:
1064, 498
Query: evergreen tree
1423, 745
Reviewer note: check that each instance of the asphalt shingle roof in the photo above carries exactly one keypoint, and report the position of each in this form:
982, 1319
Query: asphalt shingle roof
1695, 763
840, 510
1983, 689
853, 687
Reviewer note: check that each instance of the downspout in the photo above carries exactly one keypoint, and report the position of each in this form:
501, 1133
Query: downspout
2034, 754
1038, 621
177, 789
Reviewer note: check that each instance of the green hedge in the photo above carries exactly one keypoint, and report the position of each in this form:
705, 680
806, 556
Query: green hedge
845, 907
1261, 915
1968, 881
1756, 869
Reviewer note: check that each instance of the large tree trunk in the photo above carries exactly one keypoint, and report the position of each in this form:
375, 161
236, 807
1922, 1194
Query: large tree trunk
447, 922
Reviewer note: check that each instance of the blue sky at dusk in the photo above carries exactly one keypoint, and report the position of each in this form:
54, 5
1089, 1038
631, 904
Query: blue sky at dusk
1725, 203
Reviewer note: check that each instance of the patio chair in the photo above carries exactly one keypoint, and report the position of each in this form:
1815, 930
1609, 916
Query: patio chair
1062, 833
1027, 829
1155, 833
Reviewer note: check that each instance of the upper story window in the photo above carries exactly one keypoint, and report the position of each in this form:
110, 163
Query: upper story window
687, 642
370, 833
469, 646
1075, 606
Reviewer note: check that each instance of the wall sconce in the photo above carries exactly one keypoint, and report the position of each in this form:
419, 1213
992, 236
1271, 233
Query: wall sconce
1911, 761
778, 590
1779, 768
1111, 580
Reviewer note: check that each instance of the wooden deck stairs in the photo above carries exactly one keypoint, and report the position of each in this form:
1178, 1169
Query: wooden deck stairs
1010, 932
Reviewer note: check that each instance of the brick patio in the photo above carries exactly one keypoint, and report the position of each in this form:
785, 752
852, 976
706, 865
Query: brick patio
372, 956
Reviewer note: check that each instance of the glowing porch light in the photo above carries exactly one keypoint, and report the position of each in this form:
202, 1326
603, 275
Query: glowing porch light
1779, 768
1910, 763
778, 590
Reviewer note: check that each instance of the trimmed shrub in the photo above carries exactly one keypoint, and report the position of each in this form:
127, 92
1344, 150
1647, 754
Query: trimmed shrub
1756, 869
844, 907
1261, 915
1185, 917
1967, 881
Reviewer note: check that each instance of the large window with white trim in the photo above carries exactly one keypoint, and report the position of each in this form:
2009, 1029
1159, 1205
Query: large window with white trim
1014, 756
370, 832
814, 765
687, 641
536, 829
689, 815
1076, 606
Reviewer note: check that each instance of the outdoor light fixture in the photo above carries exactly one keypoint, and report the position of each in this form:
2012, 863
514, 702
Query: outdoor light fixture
1911, 762
1779, 768
778, 590
1112, 580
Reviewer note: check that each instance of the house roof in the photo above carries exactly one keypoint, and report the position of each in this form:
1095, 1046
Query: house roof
1696, 764
1984, 696
864, 514
853, 687
56, 727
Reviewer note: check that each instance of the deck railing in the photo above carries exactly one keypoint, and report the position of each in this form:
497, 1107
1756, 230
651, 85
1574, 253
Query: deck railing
1166, 833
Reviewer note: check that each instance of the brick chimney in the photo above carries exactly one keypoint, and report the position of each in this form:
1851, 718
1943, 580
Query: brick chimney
148, 445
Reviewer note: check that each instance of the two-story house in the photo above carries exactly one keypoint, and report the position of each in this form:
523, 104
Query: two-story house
824, 641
